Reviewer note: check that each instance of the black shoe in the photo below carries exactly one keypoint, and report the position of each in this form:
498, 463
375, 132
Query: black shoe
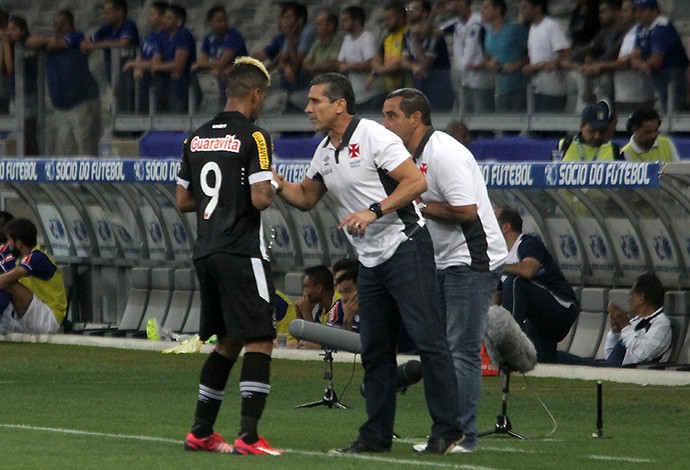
440, 446
358, 447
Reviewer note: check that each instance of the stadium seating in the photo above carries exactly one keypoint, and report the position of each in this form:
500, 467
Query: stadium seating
677, 307
137, 301
293, 284
162, 286
181, 301
191, 324
590, 322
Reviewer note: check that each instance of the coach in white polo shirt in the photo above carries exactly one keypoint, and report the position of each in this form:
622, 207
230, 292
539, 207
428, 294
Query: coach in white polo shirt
374, 183
468, 245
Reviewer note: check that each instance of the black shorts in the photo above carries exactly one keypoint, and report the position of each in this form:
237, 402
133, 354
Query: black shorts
236, 297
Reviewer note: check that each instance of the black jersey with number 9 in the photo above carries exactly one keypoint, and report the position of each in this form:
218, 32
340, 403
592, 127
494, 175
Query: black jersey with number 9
220, 161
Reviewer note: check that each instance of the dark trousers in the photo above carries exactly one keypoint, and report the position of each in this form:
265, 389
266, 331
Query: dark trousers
403, 289
539, 314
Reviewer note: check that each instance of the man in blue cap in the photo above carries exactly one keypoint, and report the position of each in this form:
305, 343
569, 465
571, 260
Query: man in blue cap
591, 143
659, 54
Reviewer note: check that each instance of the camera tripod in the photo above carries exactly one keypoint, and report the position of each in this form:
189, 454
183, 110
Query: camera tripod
503, 424
330, 398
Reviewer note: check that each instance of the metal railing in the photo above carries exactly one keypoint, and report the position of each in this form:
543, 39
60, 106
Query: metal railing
118, 121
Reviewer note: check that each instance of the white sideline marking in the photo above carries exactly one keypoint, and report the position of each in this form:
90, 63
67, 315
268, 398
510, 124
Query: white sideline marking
90, 433
613, 458
371, 458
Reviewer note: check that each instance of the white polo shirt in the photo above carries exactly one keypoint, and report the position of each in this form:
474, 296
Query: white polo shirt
630, 84
544, 42
355, 51
356, 173
453, 175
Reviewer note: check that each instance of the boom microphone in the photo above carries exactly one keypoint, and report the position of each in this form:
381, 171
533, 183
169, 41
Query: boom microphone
328, 337
507, 345
408, 374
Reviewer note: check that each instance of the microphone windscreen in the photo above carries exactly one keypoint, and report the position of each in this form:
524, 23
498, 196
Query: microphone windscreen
506, 344
328, 337
408, 374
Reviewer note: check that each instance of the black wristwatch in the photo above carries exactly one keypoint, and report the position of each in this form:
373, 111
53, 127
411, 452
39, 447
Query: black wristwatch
376, 209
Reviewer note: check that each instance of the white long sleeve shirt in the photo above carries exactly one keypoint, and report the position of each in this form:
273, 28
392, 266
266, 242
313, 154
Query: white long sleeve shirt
645, 339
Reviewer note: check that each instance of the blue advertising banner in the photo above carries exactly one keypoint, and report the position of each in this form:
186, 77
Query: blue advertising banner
540, 175
88, 171
537, 175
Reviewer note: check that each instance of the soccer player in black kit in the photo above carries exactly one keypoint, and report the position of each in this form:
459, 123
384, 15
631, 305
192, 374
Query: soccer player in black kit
225, 176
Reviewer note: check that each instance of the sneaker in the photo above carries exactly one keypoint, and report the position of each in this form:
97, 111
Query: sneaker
260, 447
458, 449
438, 446
212, 443
461, 449
358, 447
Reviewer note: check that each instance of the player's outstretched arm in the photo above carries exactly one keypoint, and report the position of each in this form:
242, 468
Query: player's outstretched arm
304, 195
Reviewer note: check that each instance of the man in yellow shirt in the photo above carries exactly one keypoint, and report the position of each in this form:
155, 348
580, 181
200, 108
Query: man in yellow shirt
386, 63
35, 285
646, 142
590, 144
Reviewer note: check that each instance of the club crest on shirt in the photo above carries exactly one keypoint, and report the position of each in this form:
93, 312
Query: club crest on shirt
423, 167
354, 150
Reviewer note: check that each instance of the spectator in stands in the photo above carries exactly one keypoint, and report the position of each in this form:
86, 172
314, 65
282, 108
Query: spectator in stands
141, 66
647, 335
590, 144
591, 65
16, 36
387, 62
459, 131
171, 67
219, 48
660, 54
6, 87
425, 54
38, 303
546, 47
288, 50
121, 33
632, 88
468, 246
323, 54
477, 84
533, 288
317, 300
345, 313
584, 23
355, 59
646, 142
505, 48
73, 90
